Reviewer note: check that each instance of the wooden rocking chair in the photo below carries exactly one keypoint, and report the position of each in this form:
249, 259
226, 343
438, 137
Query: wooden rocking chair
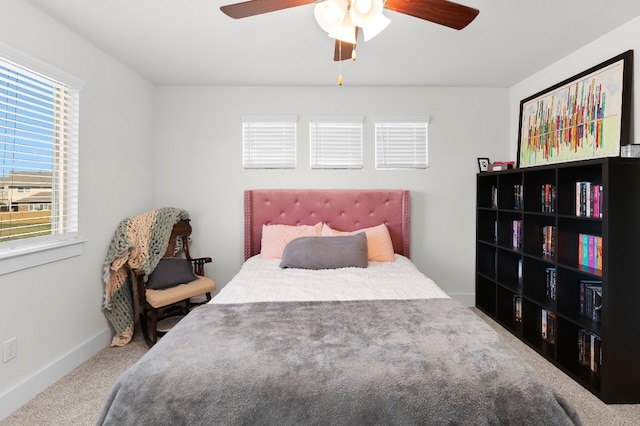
168, 290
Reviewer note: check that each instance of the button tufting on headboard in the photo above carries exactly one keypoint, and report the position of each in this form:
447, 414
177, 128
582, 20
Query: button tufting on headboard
342, 209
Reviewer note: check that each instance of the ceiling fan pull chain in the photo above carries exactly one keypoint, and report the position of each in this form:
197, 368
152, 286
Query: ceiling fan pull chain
353, 46
340, 63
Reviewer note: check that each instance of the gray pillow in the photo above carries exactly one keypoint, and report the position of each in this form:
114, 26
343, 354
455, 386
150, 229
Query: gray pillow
326, 252
170, 272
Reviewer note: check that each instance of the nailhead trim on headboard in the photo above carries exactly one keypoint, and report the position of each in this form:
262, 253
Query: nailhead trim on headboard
342, 209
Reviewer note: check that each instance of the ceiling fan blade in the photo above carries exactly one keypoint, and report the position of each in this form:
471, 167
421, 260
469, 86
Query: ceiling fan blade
257, 7
443, 12
344, 53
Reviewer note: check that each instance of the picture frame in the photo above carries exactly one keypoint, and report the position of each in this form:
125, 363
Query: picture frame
584, 116
483, 164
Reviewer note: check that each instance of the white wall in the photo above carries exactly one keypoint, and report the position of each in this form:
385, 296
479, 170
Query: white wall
616, 42
54, 310
199, 164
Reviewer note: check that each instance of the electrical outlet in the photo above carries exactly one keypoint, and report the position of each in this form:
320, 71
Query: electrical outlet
9, 349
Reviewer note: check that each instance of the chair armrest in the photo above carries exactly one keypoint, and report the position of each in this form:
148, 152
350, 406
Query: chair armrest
198, 264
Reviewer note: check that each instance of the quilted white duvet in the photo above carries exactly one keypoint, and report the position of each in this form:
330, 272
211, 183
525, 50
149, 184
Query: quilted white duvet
262, 280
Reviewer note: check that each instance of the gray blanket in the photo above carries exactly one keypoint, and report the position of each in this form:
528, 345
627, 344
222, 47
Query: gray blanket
409, 362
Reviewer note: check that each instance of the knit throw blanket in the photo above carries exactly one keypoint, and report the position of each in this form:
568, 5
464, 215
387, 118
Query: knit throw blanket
138, 243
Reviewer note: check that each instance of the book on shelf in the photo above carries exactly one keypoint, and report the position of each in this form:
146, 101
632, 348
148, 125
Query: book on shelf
495, 231
517, 308
494, 197
548, 198
591, 299
550, 283
548, 241
517, 197
516, 234
590, 350
520, 276
548, 324
590, 250
588, 199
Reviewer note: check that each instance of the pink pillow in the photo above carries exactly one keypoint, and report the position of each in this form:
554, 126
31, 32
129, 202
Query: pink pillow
379, 242
276, 237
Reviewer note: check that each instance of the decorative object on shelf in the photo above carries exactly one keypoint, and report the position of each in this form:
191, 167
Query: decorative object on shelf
631, 150
585, 116
483, 164
499, 166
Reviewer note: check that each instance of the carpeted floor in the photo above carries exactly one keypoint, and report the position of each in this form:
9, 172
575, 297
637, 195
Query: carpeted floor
592, 411
77, 398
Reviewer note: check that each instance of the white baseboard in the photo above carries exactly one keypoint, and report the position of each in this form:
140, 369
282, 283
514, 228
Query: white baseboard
25, 391
468, 299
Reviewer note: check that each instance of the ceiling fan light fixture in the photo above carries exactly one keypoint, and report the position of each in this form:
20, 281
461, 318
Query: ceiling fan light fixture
375, 27
362, 6
367, 14
329, 14
345, 32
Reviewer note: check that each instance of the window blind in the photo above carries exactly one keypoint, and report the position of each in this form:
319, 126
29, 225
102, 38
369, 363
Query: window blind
336, 142
269, 142
39, 121
401, 142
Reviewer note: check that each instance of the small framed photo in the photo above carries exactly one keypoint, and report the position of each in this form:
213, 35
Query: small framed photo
483, 164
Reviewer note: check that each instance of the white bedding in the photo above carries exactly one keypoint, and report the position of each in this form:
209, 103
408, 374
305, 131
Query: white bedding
262, 280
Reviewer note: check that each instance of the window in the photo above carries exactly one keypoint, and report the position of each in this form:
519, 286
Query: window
336, 142
401, 142
269, 142
38, 158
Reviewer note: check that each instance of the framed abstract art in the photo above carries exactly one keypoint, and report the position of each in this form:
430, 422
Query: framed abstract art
585, 116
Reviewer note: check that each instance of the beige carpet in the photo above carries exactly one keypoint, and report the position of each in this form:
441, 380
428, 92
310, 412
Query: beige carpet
592, 411
77, 398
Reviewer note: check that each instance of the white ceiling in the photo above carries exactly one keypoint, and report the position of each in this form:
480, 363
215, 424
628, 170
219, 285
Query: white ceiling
191, 42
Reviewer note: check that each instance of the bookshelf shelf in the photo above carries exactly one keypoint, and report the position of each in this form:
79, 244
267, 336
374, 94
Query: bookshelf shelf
577, 228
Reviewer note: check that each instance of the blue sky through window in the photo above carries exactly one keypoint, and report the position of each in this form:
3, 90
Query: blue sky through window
26, 123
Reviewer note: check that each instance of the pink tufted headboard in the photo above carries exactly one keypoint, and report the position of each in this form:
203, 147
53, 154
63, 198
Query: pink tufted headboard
342, 209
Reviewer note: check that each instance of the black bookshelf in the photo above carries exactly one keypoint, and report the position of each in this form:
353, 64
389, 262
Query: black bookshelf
534, 278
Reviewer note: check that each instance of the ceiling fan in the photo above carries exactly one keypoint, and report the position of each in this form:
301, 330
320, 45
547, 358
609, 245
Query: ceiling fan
360, 14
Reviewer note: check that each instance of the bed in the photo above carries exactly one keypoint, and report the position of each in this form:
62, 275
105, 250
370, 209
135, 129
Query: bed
373, 344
